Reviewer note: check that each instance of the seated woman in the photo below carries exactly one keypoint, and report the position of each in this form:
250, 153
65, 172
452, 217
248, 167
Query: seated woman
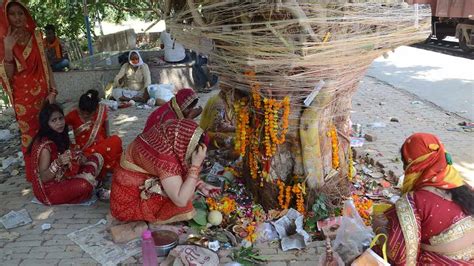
432, 223
159, 173
133, 80
59, 175
218, 118
183, 105
91, 130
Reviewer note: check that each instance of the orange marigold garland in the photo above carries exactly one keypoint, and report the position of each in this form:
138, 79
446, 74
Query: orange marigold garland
273, 136
299, 190
284, 192
243, 129
335, 147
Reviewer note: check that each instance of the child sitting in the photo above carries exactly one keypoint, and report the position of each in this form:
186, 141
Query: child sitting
60, 175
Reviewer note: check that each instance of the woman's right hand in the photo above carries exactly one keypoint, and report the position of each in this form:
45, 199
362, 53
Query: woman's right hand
10, 39
199, 155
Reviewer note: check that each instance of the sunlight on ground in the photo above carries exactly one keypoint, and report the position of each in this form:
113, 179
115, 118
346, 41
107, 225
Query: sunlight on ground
25, 191
467, 171
123, 118
44, 215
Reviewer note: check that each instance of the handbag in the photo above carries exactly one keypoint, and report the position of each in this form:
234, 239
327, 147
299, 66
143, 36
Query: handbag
369, 257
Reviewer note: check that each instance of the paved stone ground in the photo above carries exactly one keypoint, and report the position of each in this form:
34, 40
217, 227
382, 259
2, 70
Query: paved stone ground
29, 245
376, 101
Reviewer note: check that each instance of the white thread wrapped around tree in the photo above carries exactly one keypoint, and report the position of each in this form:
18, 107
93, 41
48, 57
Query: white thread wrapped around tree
291, 46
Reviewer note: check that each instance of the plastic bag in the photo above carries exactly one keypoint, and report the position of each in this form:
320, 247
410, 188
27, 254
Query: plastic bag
161, 91
353, 236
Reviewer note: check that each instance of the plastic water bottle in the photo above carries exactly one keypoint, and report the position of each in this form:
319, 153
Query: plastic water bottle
150, 258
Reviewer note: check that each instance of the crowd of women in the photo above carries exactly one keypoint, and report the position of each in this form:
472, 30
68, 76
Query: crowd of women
155, 178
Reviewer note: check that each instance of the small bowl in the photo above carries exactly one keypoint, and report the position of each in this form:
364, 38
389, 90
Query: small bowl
165, 241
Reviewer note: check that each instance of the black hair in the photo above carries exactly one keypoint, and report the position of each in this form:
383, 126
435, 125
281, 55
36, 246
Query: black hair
50, 27
15, 3
60, 139
464, 197
89, 101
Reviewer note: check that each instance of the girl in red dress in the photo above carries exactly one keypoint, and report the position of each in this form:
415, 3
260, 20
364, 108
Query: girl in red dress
91, 130
59, 175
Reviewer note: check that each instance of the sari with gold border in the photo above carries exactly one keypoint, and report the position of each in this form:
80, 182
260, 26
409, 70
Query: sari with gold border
153, 156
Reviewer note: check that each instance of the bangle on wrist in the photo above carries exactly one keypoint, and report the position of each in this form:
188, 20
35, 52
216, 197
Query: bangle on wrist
195, 177
54, 167
9, 61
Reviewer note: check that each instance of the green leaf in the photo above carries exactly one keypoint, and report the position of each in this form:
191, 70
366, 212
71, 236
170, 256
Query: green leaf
195, 226
200, 204
200, 217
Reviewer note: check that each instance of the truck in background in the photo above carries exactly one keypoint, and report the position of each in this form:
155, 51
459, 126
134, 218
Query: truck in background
452, 18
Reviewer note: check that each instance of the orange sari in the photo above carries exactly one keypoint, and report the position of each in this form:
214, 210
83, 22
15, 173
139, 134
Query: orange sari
91, 137
153, 156
29, 86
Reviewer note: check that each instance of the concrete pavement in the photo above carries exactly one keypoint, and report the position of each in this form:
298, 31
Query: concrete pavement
445, 80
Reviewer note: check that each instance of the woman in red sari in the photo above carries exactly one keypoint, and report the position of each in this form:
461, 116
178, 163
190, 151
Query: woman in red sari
59, 175
159, 173
432, 223
91, 130
183, 105
25, 74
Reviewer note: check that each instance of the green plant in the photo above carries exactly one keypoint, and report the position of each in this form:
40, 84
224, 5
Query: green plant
319, 211
247, 256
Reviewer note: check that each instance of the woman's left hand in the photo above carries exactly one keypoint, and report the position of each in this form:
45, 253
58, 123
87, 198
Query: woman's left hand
209, 190
51, 98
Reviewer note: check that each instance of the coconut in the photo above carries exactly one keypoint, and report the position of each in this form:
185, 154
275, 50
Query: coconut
214, 217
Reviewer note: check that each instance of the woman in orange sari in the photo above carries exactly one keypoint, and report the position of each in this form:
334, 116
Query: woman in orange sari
183, 105
59, 175
432, 223
25, 74
24, 71
91, 130
159, 173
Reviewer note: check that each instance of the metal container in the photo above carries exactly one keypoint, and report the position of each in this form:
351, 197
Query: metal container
165, 241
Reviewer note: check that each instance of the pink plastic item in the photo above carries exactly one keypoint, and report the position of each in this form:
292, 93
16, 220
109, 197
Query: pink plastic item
148, 250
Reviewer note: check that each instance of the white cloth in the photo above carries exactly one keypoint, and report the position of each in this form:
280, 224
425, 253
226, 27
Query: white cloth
140, 61
119, 92
174, 51
161, 91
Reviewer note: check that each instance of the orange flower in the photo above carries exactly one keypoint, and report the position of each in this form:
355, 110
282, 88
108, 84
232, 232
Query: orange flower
335, 147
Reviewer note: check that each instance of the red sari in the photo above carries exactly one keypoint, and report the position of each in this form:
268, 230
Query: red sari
172, 109
29, 86
92, 137
155, 155
67, 187
423, 226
